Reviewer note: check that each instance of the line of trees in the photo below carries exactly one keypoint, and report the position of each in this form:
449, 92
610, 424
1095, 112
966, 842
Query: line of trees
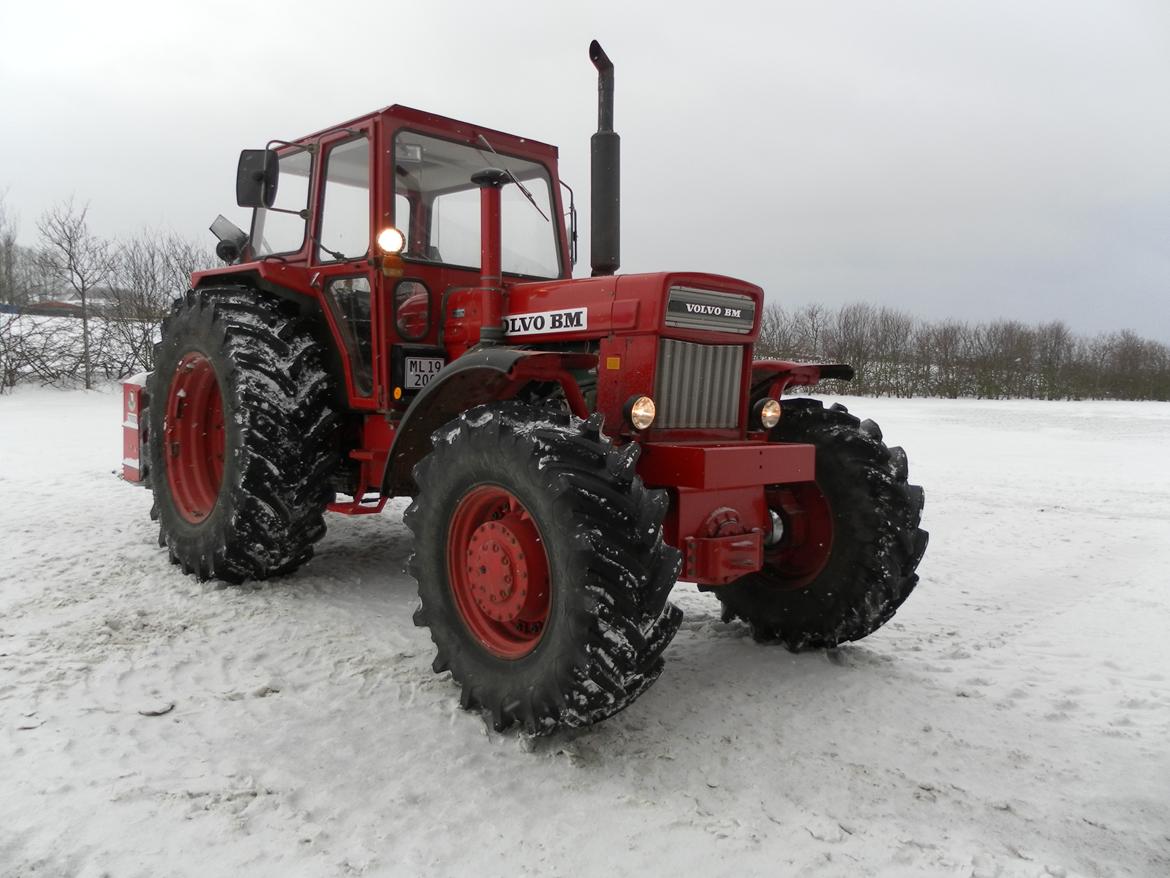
895, 354
119, 290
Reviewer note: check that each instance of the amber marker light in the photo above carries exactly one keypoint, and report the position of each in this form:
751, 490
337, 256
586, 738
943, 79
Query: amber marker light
640, 412
390, 240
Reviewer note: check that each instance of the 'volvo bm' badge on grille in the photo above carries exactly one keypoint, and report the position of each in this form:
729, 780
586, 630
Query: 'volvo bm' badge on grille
689, 308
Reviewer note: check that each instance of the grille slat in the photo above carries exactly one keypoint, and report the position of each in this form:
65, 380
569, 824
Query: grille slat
697, 385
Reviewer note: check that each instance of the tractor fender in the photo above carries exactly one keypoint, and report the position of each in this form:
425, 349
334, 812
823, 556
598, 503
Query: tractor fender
480, 376
291, 285
772, 377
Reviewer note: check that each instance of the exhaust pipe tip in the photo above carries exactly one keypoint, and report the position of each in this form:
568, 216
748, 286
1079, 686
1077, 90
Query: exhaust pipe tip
605, 167
599, 58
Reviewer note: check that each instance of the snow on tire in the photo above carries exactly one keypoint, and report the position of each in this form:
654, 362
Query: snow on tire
852, 539
541, 568
242, 436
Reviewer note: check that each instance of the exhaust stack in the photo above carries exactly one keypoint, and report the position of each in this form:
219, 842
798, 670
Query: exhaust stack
605, 174
491, 291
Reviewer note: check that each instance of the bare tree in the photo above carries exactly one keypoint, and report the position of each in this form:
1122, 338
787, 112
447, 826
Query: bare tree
183, 258
1054, 352
9, 356
149, 272
777, 335
809, 327
11, 291
849, 338
141, 292
80, 259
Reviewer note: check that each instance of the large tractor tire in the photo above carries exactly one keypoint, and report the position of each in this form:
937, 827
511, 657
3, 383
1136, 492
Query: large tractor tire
851, 540
541, 569
241, 432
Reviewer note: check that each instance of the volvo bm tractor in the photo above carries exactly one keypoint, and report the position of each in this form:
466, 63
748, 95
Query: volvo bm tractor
401, 320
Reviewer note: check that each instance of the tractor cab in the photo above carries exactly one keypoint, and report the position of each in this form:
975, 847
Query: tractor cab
381, 219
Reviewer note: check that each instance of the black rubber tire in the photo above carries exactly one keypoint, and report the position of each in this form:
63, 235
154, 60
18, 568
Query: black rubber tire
876, 547
610, 571
280, 436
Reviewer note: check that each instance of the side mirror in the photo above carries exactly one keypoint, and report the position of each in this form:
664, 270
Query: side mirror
256, 178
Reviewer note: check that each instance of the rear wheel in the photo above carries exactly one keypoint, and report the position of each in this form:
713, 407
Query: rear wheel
541, 569
241, 436
851, 540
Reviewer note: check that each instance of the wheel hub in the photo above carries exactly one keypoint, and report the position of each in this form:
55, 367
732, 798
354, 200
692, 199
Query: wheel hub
498, 567
498, 571
806, 540
194, 438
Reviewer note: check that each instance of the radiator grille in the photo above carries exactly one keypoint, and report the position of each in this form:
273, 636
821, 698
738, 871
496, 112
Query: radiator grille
697, 385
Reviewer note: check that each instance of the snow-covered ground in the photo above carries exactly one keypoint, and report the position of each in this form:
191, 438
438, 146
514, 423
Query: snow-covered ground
1013, 718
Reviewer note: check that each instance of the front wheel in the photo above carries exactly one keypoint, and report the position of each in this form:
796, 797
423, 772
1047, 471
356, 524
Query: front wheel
851, 541
541, 569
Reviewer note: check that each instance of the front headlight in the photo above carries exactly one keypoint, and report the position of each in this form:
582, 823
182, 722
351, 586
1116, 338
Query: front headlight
767, 412
640, 412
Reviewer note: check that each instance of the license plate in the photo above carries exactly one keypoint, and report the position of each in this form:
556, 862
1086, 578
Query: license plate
420, 371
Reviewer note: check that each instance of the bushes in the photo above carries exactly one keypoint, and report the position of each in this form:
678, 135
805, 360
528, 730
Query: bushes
77, 307
895, 354
51, 350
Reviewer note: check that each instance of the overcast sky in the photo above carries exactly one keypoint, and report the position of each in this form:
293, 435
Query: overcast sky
975, 159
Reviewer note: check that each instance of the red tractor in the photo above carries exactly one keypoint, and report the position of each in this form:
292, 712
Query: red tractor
401, 320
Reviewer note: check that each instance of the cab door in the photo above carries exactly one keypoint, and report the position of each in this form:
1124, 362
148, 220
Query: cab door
340, 265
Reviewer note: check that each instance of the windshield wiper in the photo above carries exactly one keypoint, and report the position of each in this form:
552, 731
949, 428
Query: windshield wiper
520, 185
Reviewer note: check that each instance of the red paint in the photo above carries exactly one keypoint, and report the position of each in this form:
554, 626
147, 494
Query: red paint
372, 457
498, 571
720, 560
412, 316
490, 273
548, 366
133, 397
773, 377
691, 509
717, 466
193, 437
801, 555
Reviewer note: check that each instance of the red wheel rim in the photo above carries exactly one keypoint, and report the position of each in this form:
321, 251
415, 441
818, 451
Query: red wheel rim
193, 438
498, 570
804, 550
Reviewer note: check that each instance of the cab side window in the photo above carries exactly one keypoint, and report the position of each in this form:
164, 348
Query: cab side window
345, 208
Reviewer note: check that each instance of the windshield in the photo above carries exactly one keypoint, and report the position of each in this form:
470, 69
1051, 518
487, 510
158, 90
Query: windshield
437, 206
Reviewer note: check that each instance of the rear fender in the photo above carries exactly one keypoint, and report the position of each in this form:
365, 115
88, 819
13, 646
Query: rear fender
290, 284
478, 377
773, 377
